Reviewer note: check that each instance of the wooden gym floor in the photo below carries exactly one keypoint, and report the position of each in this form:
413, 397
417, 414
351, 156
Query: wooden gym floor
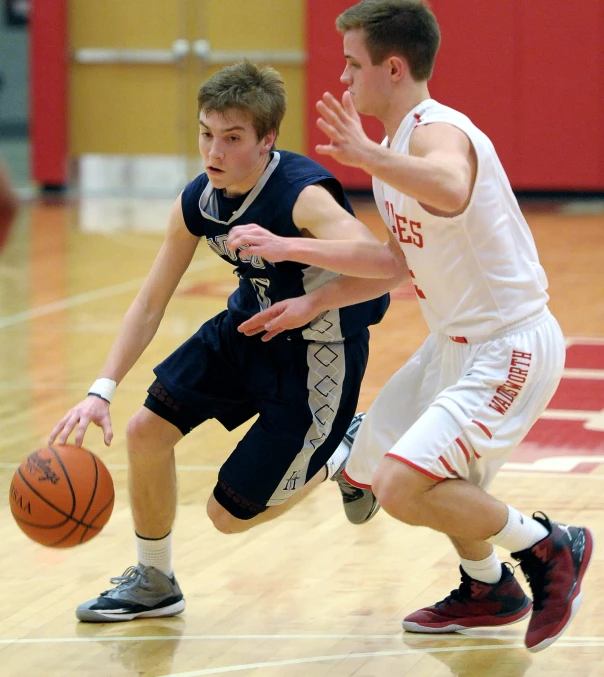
308, 594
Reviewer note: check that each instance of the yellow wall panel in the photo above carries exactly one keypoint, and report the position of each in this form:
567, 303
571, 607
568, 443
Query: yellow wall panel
124, 109
136, 24
255, 24
138, 109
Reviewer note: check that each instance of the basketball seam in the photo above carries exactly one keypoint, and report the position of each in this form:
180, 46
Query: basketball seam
93, 494
68, 516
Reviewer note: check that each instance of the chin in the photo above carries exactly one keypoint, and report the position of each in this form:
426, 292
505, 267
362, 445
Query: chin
218, 181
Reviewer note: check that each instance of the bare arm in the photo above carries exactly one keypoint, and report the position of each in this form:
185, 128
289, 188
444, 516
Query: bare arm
144, 315
333, 239
138, 327
438, 172
337, 293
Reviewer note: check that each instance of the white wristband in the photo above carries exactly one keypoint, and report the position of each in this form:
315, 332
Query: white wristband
103, 388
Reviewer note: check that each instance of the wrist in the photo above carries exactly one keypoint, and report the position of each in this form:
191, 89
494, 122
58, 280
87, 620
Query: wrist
104, 388
318, 301
371, 156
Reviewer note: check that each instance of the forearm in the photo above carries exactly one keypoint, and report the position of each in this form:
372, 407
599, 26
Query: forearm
136, 332
425, 180
346, 291
357, 258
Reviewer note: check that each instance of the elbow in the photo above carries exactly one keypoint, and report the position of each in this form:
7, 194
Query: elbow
456, 197
395, 269
401, 274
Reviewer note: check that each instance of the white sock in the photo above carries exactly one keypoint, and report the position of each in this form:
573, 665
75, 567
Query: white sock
486, 570
155, 552
338, 457
520, 532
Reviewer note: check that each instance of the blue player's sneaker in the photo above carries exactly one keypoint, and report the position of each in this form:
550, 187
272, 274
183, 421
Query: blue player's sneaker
360, 505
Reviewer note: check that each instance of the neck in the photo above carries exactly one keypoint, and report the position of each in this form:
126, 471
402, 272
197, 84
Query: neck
405, 100
251, 180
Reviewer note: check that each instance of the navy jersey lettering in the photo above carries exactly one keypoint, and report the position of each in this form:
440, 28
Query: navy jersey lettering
207, 213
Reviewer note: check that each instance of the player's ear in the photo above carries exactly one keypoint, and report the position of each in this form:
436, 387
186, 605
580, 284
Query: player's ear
398, 67
268, 141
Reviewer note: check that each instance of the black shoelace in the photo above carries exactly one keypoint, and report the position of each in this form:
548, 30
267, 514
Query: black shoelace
537, 575
461, 594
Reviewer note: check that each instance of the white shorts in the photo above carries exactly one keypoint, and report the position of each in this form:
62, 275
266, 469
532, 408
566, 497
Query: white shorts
457, 410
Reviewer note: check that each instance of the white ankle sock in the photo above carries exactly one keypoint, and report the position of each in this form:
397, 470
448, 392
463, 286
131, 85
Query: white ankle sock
155, 552
519, 533
338, 457
486, 570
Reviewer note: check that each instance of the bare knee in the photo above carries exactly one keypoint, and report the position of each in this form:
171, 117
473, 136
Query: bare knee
148, 432
223, 521
400, 491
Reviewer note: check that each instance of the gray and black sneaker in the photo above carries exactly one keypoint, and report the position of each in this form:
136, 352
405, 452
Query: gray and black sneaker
360, 505
140, 592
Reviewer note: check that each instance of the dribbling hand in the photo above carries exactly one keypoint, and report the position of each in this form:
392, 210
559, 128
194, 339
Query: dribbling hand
90, 410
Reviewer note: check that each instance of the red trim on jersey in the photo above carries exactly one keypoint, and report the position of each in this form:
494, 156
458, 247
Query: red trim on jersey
463, 448
416, 467
354, 482
459, 339
447, 466
484, 429
417, 116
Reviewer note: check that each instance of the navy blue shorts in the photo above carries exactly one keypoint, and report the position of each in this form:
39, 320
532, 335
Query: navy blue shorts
305, 395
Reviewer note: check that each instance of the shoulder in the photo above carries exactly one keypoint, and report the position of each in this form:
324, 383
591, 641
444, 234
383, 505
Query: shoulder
295, 167
196, 186
437, 135
190, 204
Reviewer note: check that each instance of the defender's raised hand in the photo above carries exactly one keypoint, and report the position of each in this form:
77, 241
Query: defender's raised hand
348, 144
258, 241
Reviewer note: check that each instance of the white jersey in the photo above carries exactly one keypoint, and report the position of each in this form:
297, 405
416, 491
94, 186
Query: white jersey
473, 273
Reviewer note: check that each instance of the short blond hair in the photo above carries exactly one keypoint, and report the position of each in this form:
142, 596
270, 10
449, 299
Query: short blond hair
260, 92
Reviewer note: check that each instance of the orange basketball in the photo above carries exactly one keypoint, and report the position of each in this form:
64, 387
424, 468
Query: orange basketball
61, 496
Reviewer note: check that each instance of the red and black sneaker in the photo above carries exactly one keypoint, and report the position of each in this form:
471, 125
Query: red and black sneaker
474, 605
554, 568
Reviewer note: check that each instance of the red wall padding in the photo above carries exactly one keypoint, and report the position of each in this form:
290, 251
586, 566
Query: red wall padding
530, 74
48, 92
324, 67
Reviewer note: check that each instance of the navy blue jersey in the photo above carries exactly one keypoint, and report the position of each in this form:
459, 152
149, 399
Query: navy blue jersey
208, 213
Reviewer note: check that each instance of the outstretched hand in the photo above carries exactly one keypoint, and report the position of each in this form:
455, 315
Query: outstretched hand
348, 143
90, 410
284, 315
255, 240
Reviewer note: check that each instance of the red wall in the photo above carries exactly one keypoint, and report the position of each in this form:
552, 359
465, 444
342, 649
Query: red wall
530, 74
48, 92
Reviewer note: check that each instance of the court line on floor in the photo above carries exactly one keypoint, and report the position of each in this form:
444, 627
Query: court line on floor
348, 656
87, 297
582, 641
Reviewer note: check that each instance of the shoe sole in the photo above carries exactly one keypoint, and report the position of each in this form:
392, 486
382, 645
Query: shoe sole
91, 616
489, 622
375, 508
578, 596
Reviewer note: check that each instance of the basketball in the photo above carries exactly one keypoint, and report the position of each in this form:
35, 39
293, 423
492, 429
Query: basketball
61, 496
8, 205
